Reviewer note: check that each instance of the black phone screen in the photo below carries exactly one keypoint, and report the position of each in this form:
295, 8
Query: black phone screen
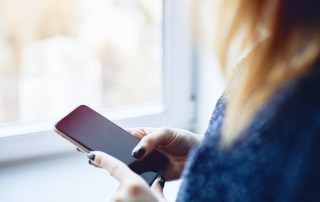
94, 132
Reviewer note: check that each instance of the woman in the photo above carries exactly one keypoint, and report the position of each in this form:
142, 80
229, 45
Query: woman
262, 140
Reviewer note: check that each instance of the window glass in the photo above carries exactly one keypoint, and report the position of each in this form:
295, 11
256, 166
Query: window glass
57, 54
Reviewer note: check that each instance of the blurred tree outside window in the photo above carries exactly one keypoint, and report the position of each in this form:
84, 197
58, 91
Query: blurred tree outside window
57, 54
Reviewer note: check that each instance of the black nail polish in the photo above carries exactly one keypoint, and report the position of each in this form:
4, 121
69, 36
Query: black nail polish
162, 181
90, 162
91, 156
138, 153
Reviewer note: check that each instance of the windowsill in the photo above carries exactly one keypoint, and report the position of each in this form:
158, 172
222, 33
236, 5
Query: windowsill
61, 177
115, 114
39, 154
33, 140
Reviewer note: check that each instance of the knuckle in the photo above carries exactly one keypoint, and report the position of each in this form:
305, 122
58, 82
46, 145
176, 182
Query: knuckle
165, 129
134, 189
149, 141
116, 199
98, 160
112, 169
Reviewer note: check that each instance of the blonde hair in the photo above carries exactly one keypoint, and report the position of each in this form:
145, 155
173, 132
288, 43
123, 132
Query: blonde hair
286, 37
291, 47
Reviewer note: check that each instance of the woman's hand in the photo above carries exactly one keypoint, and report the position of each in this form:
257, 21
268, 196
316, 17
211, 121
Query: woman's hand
174, 143
132, 188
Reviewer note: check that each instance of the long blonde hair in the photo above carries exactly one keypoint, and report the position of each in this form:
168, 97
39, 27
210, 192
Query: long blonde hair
286, 34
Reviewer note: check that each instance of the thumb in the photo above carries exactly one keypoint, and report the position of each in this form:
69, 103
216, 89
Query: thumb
149, 142
157, 188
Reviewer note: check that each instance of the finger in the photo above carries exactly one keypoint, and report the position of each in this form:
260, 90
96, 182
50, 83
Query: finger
91, 163
116, 168
140, 132
157, 187
152, 140
172, 171
125, 194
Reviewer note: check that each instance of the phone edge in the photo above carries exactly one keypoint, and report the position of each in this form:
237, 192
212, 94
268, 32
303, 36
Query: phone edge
81, 147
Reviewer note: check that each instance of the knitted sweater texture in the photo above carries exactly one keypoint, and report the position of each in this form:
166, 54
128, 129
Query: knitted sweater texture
276, 159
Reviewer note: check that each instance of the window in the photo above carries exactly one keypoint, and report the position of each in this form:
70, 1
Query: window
63, 53
151, 85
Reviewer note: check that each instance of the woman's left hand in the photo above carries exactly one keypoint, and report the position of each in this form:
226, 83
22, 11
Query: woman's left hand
132, 186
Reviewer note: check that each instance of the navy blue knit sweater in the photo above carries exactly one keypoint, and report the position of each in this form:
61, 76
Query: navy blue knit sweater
277, 158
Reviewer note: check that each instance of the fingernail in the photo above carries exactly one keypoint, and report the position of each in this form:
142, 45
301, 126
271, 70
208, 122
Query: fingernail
162, 181
90, 162
138, 152
78, 150
91, 156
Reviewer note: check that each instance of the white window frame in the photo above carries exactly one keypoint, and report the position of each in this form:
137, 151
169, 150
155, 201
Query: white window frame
30, 140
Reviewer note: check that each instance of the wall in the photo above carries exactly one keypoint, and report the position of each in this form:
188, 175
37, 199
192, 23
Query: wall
210, 85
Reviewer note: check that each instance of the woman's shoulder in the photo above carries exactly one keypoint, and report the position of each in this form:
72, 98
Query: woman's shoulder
292, 113
276, 158
298, 101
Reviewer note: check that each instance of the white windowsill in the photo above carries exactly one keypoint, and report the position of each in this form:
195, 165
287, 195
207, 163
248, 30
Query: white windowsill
114, 114
64, 177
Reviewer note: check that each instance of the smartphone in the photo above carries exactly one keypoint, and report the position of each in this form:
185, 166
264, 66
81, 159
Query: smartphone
90, 131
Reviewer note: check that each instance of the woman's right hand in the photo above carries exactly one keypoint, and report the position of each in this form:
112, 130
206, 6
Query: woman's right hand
174, 143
